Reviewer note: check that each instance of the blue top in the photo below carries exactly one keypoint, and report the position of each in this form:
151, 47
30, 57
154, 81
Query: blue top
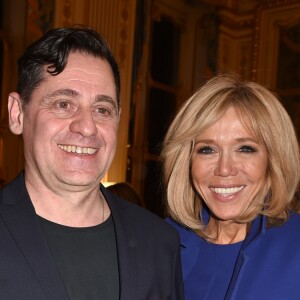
266, 265
217, 263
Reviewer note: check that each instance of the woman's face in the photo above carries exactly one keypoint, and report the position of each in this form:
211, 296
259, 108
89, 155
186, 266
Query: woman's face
228, 166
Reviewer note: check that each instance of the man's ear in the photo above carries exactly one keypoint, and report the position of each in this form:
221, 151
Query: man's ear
15, 113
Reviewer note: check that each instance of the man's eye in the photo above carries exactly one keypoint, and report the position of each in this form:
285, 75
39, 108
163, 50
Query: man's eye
205, 150
63, 105
247, 149
103, 111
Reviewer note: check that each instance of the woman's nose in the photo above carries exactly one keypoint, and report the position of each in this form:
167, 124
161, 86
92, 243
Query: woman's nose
84, 123
226, 165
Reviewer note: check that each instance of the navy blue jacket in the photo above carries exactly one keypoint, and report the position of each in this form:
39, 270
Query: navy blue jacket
267, 267
148, 252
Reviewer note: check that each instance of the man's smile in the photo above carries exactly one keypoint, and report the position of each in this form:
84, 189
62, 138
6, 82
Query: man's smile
77, 149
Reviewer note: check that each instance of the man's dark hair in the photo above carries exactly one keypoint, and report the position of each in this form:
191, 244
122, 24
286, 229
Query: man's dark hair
51, 53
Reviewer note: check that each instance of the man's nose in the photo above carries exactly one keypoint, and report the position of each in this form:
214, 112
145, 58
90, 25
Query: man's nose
84, 123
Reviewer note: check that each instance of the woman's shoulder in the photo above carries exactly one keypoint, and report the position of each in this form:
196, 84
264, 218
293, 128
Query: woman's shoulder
288, 229
176, 225
188, 237
294, 220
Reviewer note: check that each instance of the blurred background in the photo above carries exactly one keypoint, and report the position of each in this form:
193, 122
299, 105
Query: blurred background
165, 49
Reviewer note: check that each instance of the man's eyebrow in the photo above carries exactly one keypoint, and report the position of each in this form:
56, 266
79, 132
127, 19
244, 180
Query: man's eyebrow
73, 93
63, 92
105, 98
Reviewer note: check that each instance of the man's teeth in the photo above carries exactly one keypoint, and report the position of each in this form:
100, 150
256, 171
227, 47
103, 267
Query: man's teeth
78, 150
225, 192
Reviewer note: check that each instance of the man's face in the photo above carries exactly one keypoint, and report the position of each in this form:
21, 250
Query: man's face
70, 125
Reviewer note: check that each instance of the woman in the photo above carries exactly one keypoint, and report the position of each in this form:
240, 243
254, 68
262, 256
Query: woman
231, 169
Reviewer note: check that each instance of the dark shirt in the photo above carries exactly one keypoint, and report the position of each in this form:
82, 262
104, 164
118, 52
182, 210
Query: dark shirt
86, 259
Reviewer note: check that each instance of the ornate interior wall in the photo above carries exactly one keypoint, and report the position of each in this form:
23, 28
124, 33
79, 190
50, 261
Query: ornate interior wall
261, 41
256, 38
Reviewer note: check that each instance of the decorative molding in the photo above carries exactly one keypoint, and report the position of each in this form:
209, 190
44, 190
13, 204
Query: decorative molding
39, 19
236, 22
245, 59
269, 18
67, 13
177, 17
124, 33
235, 42
112, 19
71, 12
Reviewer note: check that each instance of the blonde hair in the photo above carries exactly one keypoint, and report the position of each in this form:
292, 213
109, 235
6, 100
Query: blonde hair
264, 116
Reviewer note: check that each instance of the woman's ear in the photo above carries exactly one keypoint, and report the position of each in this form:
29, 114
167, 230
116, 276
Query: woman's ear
15, 113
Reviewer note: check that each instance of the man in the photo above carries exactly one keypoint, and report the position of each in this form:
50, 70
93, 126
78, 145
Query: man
63, 237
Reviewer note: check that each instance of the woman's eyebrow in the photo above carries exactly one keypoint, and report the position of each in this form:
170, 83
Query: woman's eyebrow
239, 140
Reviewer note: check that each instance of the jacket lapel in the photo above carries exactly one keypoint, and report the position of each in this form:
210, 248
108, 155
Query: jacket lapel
257, 229
126, 246
19, 216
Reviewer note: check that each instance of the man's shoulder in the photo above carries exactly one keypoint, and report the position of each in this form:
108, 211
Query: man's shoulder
14, 190
141, 218
145, 217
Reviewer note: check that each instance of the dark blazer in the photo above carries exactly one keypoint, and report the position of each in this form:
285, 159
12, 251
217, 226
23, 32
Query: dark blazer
148, 251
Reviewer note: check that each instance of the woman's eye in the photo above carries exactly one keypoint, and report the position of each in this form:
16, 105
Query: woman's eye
247, 149
205, 150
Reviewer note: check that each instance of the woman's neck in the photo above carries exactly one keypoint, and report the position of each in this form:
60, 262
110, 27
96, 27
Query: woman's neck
226, 232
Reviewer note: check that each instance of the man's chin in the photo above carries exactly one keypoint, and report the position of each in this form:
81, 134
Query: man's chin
80, 179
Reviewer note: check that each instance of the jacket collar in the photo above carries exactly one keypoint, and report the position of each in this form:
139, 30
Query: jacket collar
126, 244
190, 239
257, 229
17, 212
